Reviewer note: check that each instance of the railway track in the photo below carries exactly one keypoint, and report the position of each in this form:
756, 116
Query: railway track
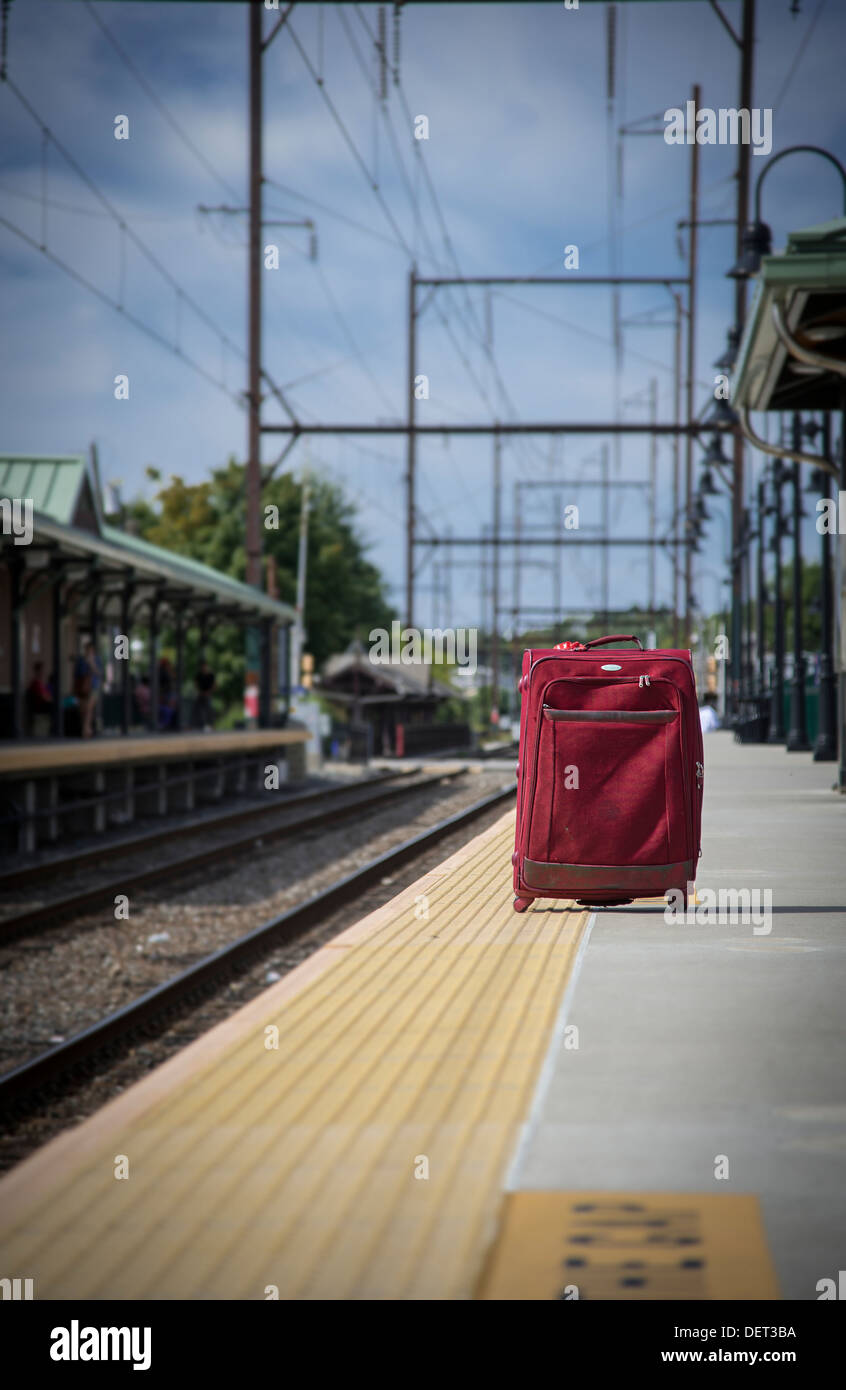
69, 1060
327, 807
55, 868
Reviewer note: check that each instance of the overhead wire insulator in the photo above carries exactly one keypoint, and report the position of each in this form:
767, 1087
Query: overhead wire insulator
382, 46
397, 9
4, 33
611, 50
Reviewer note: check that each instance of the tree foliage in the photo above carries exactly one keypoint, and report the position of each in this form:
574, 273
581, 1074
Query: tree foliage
206, 521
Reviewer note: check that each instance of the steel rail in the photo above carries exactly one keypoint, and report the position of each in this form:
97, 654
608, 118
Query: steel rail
50, 913
202, 978
134, 844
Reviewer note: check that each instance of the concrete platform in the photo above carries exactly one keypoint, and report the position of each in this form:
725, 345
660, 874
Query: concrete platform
53, 787
709, 1042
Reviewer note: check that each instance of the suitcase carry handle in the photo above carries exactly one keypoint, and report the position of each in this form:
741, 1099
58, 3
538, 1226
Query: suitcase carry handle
618, 637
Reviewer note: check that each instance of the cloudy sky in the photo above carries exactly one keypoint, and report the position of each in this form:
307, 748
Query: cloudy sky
521, 159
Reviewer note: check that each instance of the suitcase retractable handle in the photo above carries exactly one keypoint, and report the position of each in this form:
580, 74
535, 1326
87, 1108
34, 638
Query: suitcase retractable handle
597, 642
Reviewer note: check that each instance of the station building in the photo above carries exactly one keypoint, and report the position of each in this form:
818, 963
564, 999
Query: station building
67, 576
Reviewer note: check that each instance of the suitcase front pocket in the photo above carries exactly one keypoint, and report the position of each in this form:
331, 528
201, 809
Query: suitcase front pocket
609, 788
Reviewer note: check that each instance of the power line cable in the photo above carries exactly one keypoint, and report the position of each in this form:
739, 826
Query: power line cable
677, 206
800, 53
121, 221
348, 140
331, 212
157, 101
352, 340
588, 333
74, 208
477, 331
125, 313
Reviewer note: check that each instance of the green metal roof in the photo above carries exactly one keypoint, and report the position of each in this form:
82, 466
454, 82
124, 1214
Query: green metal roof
59, 486
53, 483
809, 281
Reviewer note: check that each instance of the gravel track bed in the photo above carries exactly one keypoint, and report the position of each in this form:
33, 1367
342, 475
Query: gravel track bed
53, 986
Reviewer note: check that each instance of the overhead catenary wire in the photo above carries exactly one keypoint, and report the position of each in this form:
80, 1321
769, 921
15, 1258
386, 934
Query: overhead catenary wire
76, 210
588, 333
353, 341
160, 106
140, 245
348, 140
477, 330
373, 184
105, 298
123, 225
678, 205
799, 55
331, 212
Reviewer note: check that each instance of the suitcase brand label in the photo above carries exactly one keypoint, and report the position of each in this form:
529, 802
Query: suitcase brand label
612, 667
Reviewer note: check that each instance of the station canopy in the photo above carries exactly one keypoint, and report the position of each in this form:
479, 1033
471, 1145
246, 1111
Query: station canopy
71, 532
357, 677
808, 283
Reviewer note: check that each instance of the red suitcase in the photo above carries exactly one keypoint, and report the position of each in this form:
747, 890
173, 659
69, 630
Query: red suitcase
609, 792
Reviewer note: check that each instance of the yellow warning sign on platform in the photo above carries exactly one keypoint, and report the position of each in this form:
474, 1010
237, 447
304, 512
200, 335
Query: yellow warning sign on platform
635, 1245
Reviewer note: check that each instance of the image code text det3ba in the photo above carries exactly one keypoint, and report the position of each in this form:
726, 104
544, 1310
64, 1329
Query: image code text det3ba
609, 792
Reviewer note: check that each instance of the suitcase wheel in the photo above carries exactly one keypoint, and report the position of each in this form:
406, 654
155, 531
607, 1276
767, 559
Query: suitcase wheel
520, 904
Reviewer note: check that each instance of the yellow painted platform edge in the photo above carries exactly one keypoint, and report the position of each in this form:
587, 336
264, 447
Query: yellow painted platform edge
35, 1175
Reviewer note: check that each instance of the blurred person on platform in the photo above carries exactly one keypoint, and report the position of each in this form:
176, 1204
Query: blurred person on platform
203, 708
39, 702
87, 679
708, 717
167, 695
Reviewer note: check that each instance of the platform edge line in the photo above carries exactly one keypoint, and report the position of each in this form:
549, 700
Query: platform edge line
544, 1081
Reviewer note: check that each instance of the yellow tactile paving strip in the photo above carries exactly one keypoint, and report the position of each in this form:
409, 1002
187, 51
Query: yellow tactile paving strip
58, 756
415, 1040
629, 1245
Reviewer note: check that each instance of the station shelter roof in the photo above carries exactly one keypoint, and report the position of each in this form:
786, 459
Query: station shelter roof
68, 522
808, 282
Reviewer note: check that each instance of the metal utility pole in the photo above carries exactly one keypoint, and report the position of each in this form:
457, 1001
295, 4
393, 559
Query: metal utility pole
411, 450
448, 581
841, 674
761, 585
253, 498
653, 484
746, 590
825, 747
559, 531
746, 45
497, 524
606, 527
483, 580
677, 389
691, 369
516, 570
302, 560
797, 738
776, 731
